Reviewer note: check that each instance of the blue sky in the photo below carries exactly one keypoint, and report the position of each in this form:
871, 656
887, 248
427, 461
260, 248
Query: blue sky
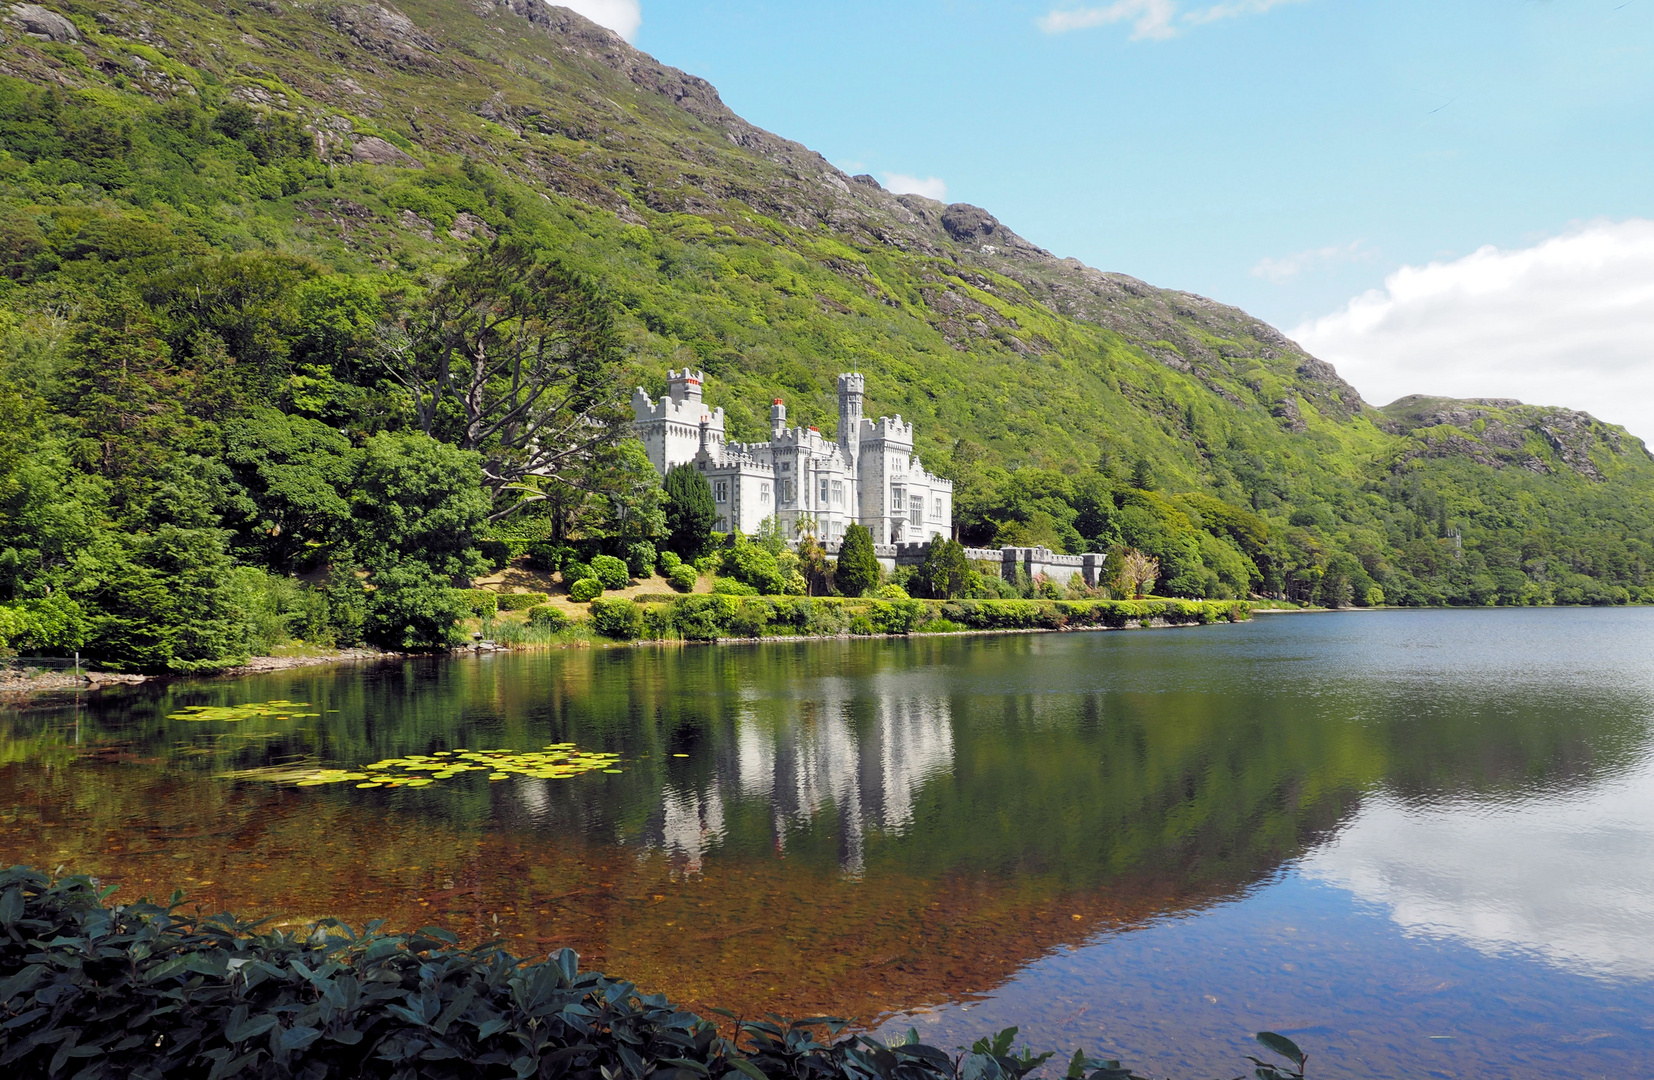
1289, 156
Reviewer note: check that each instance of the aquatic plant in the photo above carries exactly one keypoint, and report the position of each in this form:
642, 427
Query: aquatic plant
556, 762
279, 709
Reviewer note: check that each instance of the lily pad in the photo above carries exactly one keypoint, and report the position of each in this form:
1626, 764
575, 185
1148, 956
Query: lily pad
555, 762
280, 709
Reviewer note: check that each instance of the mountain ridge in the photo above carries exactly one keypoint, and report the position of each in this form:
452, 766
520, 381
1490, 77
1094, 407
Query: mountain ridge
384, 143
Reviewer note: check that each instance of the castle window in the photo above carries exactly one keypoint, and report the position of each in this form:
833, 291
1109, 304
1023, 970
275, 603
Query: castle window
938, 514
838, 492
789, 492
898, 500
720, 491
764, 493
916, 509
824, 493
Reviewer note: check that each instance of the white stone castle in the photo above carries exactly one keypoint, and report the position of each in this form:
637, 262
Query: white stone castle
869, 476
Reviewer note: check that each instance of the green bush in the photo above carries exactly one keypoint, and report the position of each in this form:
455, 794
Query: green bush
520, 601
547, 617
640, 558
612, 572
548, 557
667, 562
862, 625
901, 616
481, 602
574, 570
891, 592
857, 569
585, 590
412, 609
725, 586
683, 577
620, 619
145, 991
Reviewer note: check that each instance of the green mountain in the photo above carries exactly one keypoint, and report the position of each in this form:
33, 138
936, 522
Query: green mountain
244, 194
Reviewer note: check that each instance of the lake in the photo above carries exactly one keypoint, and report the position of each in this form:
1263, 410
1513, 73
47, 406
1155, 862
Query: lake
1420, 843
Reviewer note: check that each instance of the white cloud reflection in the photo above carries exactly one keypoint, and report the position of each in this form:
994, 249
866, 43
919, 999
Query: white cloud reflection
1568, 879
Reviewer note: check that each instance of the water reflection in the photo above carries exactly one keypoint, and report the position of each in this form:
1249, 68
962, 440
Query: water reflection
864, 828
1568, 878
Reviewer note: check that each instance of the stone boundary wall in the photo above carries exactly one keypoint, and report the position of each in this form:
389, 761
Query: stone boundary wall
1032, 561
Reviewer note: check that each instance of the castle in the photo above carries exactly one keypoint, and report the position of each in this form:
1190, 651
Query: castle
869, 475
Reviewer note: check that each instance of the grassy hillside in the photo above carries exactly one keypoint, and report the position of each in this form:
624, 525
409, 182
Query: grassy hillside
246, 195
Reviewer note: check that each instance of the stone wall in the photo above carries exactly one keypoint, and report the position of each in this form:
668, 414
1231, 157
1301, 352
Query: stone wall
1032, 561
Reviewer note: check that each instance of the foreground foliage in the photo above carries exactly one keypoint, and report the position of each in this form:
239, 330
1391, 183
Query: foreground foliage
144, 991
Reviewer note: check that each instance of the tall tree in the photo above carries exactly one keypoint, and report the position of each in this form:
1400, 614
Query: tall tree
515, 358
858, 566
690, 511
945, 573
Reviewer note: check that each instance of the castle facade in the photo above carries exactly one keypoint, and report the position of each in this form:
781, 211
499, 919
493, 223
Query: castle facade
868, 475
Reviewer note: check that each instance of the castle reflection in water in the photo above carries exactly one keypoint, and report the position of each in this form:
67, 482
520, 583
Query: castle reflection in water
859, 753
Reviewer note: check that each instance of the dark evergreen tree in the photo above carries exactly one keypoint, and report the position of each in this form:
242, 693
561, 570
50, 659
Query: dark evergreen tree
858, 567
690, 512
945, 573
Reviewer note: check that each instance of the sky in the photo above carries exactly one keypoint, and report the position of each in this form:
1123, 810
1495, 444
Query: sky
1445, 198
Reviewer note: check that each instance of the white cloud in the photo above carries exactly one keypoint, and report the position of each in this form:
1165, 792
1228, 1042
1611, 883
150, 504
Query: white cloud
1566, 879
1569, 321
1153, 20
1290, 266
930, 187
621, 16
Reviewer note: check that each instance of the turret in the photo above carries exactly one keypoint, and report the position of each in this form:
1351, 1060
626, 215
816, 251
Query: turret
778, 420
851, 387
685, 385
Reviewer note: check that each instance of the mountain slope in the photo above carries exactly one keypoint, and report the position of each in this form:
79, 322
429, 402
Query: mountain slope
436, 124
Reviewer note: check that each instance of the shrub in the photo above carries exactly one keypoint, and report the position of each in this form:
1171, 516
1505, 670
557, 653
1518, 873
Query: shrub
900, 616
640, 558
667, 562
891, 592
619, 619
752, 565
413, 610
612, 572
709, 563
520, 601
940, 626
547, 617
585, 590
683, 577
481, 603
141, 990
862, 625
550, 557
575, 570
730, 587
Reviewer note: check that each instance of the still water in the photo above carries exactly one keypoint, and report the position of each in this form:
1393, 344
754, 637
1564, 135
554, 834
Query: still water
1421, 843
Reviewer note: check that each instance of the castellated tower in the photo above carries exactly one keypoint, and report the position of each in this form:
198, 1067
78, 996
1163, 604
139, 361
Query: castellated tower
851, 388
778, 420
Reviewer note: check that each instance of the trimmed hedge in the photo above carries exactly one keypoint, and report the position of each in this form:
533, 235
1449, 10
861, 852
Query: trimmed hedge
704, 617
520, 601
481, 602
585, 589
612, 572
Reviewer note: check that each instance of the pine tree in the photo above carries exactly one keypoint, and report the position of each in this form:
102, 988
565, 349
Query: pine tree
858, 567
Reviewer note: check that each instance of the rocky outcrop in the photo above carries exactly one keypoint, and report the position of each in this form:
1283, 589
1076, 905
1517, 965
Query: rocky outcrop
373, 150
42, 23
1501, 432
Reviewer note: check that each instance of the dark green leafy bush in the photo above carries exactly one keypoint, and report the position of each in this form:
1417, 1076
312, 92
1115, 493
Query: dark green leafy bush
586, 589
612, 572
547, 617
619, 619
145, 991
412, 609
640, 558
481, 602
683, 577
